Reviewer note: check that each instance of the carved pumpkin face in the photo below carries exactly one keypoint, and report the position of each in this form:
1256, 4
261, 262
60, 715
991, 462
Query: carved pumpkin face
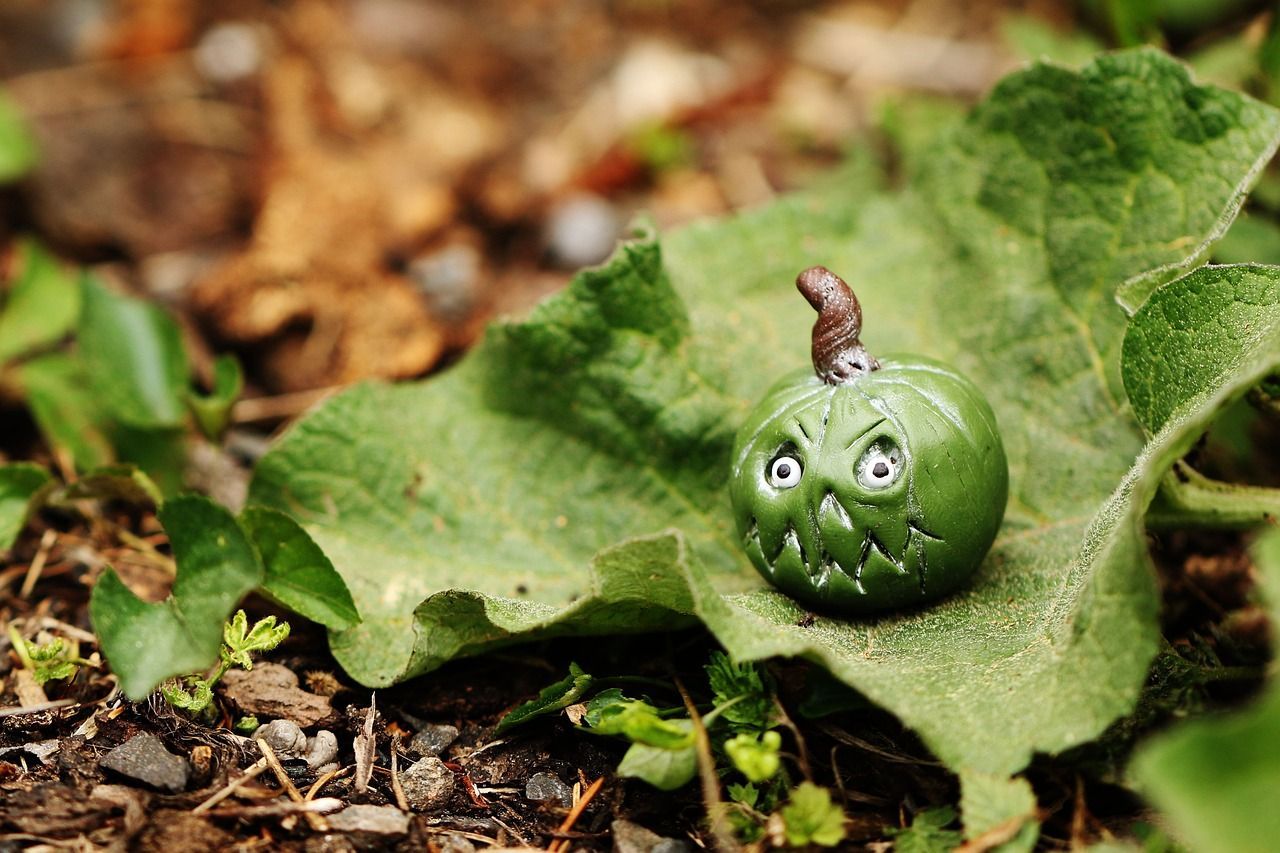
882, 490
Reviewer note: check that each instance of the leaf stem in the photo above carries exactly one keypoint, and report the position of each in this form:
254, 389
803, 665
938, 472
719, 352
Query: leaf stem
1187, 498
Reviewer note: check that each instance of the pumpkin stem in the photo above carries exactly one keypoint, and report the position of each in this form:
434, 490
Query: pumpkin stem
838, 355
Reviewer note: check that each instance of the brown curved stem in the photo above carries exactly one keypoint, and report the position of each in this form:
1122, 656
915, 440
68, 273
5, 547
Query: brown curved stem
838, 355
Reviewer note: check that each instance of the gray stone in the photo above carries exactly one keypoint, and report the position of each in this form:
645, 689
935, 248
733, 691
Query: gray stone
544, 787
40, 750
631, 837
453, 843
285, 737
377, 820
582, 230
144, 759
433, 739
321, 749
427, 785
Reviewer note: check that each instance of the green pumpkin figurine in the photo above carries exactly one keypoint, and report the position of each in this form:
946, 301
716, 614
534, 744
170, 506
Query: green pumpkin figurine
867, 485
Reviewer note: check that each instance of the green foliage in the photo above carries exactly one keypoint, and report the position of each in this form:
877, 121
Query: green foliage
611, 713
132, 354
121, 394
611, 409
552, 698
55, 659
991, 802
1215, 779
810, 817
296, 573
21, 486
743, 685
17, 148
663, 768
928, 833
42, 305
220, 560
194, 693
755, 756
212, 412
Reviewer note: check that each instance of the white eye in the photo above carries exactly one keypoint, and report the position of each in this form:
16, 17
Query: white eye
784, 472
880, 466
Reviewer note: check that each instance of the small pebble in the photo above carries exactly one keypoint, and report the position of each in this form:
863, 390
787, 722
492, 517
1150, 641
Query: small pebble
582, 231
321, 749
453, 843
544, 787
427, 785
631, 837
144, 758
433, 739
229, 52
449, 278
285, 737
377, 820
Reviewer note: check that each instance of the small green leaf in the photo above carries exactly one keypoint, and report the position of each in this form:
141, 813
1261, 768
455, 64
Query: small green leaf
747, 794
212, 412
552, 698
664, 769
240, 641
740, 683
811, 818
298, 574
610, 713
928, 833
217, 566
193, 695
21, 485
70, 417
989, 801
132, 352
17, 147
42, 306
755, 757
1216, 779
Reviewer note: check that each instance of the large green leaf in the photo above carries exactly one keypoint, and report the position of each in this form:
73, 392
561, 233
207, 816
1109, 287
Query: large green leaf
1216, 779
464, 512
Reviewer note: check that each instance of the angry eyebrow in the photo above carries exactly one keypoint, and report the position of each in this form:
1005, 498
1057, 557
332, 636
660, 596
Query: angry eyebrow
860, 435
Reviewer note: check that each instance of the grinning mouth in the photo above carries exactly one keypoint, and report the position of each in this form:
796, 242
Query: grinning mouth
821, 568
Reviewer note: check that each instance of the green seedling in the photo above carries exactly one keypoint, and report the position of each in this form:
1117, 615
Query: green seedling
810, 817
193, 693
54, 659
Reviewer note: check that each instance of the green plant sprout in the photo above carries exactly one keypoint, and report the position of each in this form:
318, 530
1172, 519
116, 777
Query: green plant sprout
741, 723
193, 693
810, 817
54, 659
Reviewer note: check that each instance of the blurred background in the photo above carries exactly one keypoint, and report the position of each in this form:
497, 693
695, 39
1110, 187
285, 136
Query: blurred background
340, 189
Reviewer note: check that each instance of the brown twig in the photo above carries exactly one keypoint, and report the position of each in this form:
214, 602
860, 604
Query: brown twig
326, 779
37, 563
723, 834
231, 787
396, 788
317, 822
576, 812
279, 407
